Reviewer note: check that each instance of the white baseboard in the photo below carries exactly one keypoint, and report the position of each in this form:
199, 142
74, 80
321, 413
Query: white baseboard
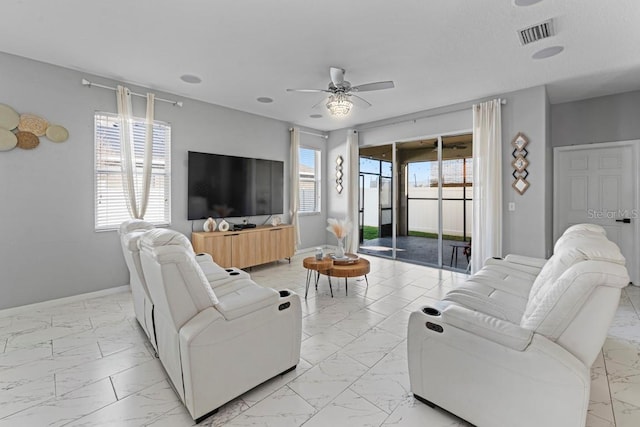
66, 300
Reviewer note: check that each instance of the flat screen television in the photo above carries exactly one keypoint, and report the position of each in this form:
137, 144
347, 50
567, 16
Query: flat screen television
227, 186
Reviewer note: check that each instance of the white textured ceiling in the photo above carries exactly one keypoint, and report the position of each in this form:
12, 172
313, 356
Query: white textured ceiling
437, 52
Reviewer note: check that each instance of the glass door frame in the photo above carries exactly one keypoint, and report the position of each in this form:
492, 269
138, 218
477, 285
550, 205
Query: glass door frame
395, 172
361, 201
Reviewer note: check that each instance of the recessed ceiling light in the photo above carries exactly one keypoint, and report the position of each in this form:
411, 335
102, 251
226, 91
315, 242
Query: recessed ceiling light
316, 116
190, 78
525, 2
264, 99
547, 52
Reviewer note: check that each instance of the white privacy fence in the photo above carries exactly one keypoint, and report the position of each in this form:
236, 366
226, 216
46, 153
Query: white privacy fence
423, 214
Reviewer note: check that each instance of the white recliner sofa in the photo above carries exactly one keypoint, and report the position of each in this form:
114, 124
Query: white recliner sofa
130, 232
513, 345
216, 340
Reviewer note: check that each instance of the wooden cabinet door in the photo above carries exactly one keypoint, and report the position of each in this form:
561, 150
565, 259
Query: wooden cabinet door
273, 249
243, 250
286, 247
219, 247
262, 241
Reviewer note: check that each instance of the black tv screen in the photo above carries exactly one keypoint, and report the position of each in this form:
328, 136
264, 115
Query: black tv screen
226, 186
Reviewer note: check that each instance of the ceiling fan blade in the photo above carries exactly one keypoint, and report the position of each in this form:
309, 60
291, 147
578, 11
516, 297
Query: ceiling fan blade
359, 101
373, 86
337, 76
322, 102
308, 90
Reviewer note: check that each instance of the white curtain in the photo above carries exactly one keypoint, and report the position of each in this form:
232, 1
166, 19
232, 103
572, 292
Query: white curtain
353, 187
487, 183
136, 192
148, 155
295, 183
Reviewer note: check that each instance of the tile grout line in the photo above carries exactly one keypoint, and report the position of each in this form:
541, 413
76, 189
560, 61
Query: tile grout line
606, 372
113, 387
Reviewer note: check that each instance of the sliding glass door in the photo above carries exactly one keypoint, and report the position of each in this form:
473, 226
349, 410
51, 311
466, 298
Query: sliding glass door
433, 202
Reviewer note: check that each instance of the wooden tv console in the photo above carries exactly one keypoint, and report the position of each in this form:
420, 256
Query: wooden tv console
246, 248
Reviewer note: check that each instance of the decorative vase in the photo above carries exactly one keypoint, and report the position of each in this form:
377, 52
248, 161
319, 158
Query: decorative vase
223, 226
340, 251
209, 225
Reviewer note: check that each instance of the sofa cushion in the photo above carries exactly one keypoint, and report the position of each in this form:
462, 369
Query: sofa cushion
225, 287
170, 247
578, 231
133, 225
130, 240
586, 227
244, 297
563, 282
215, 273
551, 310
484, 298
577, 247
165, 237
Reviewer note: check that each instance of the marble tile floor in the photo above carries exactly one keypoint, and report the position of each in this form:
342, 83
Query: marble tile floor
88, 363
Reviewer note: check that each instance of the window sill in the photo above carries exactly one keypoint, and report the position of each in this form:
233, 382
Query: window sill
117, 228
309, 213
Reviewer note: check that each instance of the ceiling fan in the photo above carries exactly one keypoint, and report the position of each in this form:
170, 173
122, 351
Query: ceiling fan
342, 96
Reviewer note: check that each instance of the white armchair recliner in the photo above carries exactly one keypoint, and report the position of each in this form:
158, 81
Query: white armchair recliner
216, 339
513, 345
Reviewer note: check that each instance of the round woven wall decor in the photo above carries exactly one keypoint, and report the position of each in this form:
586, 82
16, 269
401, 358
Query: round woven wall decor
34, 124
27, 140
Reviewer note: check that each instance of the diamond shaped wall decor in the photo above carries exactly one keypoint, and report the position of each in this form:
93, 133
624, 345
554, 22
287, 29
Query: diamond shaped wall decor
520, 185
520, 163
520, 141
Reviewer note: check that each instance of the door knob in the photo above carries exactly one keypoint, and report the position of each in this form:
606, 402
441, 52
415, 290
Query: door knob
624, 220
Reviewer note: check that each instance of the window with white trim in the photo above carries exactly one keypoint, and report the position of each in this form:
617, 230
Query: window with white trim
309, 187
110, 203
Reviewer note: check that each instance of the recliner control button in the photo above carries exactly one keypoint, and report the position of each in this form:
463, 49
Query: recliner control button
434, 327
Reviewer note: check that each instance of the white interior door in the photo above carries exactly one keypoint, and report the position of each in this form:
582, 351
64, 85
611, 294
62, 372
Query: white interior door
598, 184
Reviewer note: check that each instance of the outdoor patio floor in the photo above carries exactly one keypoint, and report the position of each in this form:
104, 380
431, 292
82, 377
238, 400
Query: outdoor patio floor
423, 250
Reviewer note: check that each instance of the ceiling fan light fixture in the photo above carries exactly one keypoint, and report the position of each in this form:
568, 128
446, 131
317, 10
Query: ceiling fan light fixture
339, 104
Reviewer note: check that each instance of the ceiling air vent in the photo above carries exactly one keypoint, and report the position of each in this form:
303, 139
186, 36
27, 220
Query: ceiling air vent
536, 32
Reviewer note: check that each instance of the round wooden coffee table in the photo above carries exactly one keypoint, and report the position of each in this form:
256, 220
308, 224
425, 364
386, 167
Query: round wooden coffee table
318, 266
330, 269
357, 269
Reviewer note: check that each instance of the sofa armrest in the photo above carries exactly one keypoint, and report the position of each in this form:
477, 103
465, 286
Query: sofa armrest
199, 324
204, 258
489, 327
526, 260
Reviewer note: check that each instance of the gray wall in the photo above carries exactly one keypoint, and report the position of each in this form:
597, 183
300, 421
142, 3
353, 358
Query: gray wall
48, 246
602, 119
526, 231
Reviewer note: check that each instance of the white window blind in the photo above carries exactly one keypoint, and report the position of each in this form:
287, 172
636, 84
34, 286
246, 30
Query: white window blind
309, 180
110, 203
